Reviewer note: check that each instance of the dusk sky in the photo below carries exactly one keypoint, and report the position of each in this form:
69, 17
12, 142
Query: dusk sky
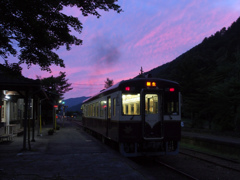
147, 34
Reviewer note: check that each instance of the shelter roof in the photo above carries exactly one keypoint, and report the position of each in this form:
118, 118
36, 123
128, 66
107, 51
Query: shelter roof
16, 82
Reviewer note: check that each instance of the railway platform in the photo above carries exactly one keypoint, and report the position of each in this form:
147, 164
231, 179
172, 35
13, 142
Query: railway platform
69, 153
220, 143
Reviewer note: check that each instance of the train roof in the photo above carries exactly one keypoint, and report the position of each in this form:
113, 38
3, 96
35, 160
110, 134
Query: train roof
137, 83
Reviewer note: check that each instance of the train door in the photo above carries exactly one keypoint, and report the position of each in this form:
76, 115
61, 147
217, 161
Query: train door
108, 114
152, 116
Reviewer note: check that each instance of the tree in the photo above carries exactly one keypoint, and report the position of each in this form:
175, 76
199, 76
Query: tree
33, 29
11, 69
108, 83
141, 71
56, 86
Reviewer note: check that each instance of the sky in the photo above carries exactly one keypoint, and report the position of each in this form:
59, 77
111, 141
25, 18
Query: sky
147, 34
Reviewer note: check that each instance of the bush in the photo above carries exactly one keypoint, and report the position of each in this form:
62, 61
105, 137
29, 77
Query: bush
57, 127
50, 131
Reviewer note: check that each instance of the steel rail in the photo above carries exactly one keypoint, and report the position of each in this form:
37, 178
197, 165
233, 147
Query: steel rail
176, 170
211, 162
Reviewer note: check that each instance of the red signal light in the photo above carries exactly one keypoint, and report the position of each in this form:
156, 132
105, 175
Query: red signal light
56, 106
127, 88
171, 89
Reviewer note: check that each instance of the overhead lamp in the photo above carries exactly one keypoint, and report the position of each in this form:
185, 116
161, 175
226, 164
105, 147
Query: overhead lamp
7, 97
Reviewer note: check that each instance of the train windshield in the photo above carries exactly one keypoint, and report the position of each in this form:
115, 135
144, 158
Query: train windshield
151, 103
171, 103
131, 104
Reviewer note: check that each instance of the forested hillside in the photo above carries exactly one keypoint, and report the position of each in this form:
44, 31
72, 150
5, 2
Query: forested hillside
209, 76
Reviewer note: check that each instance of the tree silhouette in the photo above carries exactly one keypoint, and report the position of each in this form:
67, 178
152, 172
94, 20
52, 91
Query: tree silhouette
209, 77
34, 30
141, 71
108, 83
56, 86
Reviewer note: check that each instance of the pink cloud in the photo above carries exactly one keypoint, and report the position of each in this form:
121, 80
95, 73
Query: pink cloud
146, 34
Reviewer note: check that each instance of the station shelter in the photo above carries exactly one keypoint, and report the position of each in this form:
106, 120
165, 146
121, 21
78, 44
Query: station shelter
20, 106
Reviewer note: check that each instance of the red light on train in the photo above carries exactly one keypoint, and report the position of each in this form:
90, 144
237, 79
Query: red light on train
154, 84
171, 89
127, 88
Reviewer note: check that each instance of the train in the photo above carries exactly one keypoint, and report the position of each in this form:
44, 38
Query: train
141, 115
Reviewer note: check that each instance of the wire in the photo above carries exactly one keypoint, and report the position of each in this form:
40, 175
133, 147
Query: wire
88, 84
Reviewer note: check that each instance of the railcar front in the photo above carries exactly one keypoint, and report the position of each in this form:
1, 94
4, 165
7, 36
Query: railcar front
142, 115
150, 119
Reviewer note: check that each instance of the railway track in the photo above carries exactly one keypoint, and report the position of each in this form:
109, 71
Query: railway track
189, 164
213, 159
178, 171
197, 165
77, 122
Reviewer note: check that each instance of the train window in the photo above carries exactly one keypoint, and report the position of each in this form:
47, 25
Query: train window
91, 110
131, 104
109, 108
151, 103
171, 105
97, 109
94, 110
114, 107
87, 113
88, 110
102, 108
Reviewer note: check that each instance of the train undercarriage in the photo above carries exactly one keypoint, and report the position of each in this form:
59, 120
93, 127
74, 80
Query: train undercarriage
149, 148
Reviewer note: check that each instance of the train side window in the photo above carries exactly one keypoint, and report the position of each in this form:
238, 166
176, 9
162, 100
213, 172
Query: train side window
114, 107
91, 110
102, 108
88, 110
87, 113
131, 104
97, 109
82, 109
109, 107
94, 110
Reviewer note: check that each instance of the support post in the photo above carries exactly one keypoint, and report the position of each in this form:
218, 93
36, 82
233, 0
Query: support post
34, 117
40, 118
25, 121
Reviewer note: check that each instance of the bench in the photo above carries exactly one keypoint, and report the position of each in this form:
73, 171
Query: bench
5, 137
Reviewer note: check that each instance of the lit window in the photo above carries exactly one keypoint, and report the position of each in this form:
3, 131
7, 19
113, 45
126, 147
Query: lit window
131, 104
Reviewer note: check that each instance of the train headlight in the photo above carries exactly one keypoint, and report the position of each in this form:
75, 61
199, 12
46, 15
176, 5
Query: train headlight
148, 84
151, 84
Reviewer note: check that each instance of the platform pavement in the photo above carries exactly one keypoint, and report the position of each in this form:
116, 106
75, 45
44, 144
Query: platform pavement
69, 154
228, 140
